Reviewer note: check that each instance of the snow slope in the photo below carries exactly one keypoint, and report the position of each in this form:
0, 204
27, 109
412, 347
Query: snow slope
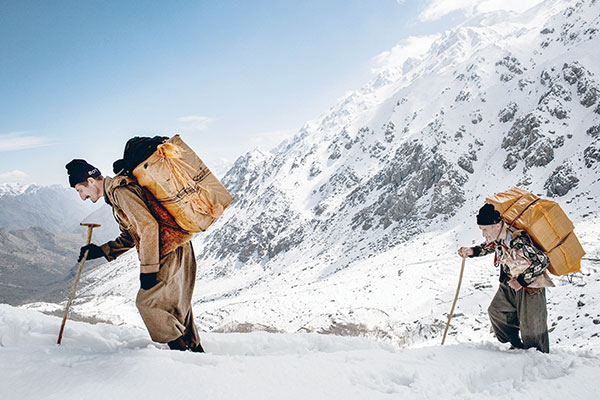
111, 362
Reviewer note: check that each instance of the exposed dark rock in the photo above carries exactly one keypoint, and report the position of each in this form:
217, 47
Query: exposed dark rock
415, 176
558, 143
476, 117
314, 170
511, 161
524, 141
466, 164
561, 181
377, 149
594, 131
508, 113
589, 97
572, 72
587, 87
591, 154
389, 132
336, 153
511, 67
524, 83
466, 161
463, 95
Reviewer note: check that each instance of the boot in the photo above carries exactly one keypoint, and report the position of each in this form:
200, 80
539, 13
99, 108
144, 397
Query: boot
178, 344
197, 349
188, 341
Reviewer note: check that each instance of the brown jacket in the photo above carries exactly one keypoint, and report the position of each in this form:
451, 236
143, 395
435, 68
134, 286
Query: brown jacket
144, 223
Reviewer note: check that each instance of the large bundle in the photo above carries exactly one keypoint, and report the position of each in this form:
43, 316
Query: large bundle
181, 182
546, 223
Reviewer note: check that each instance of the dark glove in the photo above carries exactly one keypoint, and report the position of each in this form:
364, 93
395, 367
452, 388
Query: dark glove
148, 281
93, 252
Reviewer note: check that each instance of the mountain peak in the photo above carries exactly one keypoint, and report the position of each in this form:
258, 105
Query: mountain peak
15, 188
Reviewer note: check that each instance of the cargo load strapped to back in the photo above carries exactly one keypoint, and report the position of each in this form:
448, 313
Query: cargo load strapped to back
183, 184
546, 223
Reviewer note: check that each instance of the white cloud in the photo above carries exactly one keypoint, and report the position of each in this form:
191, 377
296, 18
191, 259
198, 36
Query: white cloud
19, 141
13, 176
194, 123
437, 9
413, 46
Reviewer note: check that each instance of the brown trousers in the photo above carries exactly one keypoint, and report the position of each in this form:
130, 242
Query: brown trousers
513, 311
166, 308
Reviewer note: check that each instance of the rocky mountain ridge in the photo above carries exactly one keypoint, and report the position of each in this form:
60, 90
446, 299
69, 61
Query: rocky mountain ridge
407, 150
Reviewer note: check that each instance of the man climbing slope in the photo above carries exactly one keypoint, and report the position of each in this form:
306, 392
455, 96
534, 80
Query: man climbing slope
167, 261
519, 305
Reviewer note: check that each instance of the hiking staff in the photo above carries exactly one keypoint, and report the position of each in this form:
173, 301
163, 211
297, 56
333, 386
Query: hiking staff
164, 248
462, 268
89, 240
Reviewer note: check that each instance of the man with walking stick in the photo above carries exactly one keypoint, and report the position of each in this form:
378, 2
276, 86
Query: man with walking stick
519, 305
167, 261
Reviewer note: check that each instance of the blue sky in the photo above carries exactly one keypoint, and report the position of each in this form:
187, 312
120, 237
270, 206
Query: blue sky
79, 78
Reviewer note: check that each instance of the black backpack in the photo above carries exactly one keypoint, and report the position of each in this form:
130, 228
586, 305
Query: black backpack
137, 150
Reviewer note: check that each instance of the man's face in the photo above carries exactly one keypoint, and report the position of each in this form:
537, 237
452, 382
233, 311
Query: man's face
91, 191
490, 232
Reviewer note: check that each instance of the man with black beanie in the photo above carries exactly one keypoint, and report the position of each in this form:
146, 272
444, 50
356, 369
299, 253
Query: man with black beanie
519, 306
167, 260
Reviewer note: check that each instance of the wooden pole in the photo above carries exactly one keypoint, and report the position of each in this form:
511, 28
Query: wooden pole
462, 268
89, 240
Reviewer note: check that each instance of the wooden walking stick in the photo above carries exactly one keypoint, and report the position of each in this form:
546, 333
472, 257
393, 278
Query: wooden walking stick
89, 240
462, 268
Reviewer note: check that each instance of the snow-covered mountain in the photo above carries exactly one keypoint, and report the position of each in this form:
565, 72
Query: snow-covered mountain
37, 264
16, 188
55, 207
40, 237
352, 226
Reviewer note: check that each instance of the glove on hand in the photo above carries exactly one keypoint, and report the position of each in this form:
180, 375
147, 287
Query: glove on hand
148, 281
93, 252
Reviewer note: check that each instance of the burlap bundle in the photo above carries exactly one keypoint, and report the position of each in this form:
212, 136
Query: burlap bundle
183, 184
546, 223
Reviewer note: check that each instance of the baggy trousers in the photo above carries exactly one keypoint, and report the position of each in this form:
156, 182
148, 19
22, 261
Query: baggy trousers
166, 308
513, 311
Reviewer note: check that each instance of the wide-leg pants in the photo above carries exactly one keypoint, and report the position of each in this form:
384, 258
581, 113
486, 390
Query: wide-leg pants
512, 312
166, 308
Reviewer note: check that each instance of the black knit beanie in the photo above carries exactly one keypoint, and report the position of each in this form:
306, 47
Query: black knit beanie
79, 171
488, 215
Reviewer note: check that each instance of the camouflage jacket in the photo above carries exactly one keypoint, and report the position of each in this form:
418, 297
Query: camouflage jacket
518, 257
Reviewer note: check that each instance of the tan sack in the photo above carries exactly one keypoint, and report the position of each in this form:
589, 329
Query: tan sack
183, 184
546, 223
566, 257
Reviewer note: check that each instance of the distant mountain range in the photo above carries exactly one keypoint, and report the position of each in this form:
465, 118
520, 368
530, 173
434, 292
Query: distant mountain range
40, 237
54, 208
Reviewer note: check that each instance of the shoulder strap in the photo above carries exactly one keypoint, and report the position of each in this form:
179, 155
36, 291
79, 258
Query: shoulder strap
153, 205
